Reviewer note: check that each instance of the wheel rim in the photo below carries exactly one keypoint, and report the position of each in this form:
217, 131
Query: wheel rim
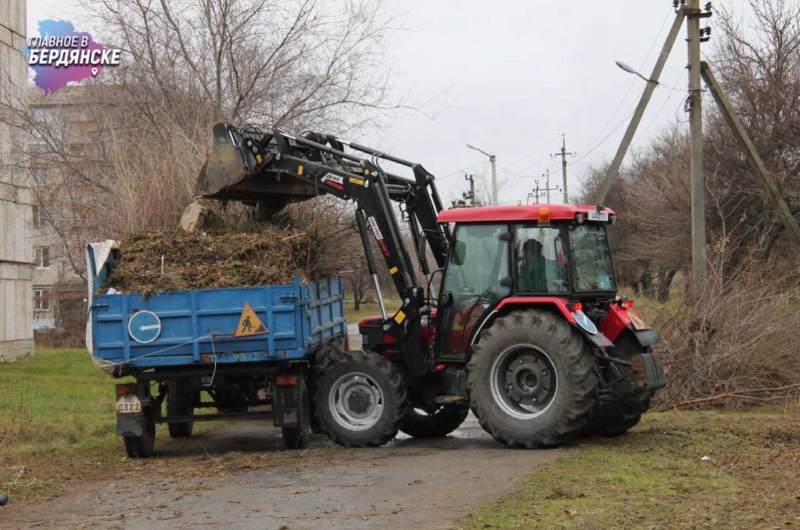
523, 381
356, 401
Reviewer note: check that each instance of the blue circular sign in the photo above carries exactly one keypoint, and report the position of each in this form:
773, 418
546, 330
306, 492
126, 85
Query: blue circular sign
144, 327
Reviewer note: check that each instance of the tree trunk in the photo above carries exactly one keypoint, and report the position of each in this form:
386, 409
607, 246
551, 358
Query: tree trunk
664, 283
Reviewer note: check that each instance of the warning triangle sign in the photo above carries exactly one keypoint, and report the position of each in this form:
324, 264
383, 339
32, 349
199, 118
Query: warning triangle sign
249, 323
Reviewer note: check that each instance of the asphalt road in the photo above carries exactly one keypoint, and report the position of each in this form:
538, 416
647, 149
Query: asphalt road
406, 484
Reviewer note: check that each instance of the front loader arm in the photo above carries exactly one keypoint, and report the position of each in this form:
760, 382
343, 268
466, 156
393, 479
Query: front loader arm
255, 166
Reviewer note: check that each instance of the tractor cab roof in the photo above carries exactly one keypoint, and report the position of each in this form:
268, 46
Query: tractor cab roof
532, 212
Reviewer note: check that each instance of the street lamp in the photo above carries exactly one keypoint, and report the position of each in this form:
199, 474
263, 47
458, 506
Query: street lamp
493, 160
631, 70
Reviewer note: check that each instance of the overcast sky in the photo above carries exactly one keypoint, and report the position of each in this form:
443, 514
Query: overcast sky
510, 77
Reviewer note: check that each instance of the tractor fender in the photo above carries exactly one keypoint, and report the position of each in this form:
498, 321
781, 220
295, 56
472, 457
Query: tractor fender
620, 319
559, 304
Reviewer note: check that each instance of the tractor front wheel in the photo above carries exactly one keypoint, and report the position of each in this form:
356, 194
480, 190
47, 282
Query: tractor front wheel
360, 399
531, 380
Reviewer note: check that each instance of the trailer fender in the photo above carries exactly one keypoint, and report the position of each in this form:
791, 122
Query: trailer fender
290, 401
130, 424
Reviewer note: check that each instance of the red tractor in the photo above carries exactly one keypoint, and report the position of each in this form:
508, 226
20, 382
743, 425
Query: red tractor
519, 320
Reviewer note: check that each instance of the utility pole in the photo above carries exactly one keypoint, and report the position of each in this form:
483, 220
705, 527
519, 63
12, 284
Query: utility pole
652, 83
547, 189
470, 195
563, 154
493, 160
789, 222
694, 103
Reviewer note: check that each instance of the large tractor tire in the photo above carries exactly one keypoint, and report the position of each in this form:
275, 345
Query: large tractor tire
360, 399
618, 416
532, 380
180, 402
421, 424
144, 445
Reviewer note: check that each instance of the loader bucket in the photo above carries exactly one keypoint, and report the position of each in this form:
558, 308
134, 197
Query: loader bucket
227, 175
224, 166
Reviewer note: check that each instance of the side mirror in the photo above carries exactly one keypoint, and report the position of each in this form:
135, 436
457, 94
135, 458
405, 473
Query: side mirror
508, 281
459, 253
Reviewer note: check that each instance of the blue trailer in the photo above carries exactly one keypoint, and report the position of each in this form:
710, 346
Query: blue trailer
250, 350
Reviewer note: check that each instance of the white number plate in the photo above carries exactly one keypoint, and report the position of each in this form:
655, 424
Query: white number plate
594, 215
129, 404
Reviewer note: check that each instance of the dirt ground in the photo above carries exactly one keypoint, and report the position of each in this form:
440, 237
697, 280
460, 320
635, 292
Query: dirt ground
407, 484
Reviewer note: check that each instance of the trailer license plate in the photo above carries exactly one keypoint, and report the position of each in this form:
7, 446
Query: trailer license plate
594, 215
129, 404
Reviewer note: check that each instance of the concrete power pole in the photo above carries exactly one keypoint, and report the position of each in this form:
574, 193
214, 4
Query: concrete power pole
563, 154
696, 147
470, 195
493, 160
652, 83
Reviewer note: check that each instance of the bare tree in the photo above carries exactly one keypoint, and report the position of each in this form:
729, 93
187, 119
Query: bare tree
144, 127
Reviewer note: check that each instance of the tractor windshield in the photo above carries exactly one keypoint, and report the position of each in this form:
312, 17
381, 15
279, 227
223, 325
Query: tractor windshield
591, 260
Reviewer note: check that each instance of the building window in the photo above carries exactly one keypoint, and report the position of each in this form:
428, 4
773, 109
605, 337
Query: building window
41, 257
37, 216
41, 300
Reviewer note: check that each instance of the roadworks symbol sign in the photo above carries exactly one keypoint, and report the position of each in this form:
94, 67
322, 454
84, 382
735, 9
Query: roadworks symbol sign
250, 324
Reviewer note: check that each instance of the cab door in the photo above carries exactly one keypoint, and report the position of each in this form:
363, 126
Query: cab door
477, 276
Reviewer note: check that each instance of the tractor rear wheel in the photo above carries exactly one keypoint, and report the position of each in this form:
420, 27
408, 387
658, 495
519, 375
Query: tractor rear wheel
421, 424
360, 399
531, 380
618, 416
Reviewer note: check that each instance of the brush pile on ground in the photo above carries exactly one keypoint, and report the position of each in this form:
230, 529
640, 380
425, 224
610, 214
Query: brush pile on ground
262, 255
736, 342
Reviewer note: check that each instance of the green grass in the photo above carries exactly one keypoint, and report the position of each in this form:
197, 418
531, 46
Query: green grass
369, 309
56, 401
655, 477
58, 424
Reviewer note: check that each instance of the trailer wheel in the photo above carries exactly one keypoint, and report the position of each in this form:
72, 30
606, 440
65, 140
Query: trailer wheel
421, 424
531, 380
360, 399
180, 402
142, 446
297, 437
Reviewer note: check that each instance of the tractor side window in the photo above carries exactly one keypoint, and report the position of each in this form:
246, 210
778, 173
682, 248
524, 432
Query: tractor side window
541, 260
591, 260
478, 262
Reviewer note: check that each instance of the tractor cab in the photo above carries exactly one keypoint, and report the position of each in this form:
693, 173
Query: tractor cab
552, 256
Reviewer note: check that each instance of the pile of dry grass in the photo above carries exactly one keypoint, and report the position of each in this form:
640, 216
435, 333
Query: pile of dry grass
176, 260
736, 342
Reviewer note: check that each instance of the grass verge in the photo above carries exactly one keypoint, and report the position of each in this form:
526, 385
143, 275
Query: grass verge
657, 477
58, 427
